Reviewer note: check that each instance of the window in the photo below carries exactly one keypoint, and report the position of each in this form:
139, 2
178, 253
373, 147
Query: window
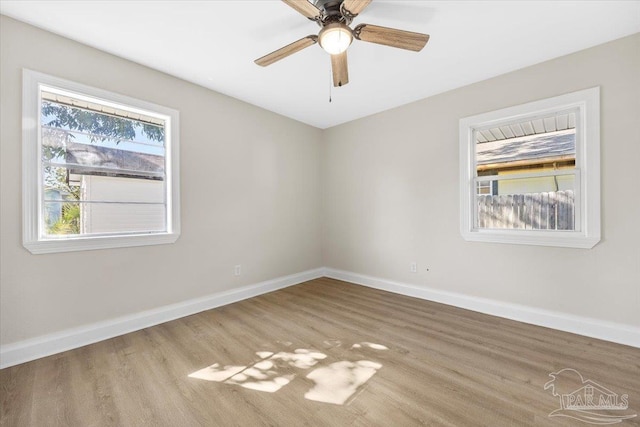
100, 170
485, 188
530, 174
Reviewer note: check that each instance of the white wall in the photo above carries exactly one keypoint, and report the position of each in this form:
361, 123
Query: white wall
250, 195
390, 194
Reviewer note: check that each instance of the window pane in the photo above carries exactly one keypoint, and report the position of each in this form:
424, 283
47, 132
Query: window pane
484, 188
84, 218
532, 145
540, 203
103, 170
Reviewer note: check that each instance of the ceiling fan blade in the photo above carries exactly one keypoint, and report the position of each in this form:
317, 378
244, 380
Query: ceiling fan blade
304, 7
286, 51
340, 69
355, 7
391, 37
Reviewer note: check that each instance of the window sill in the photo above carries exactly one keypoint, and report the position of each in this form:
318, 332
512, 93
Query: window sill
567, 239
98, 242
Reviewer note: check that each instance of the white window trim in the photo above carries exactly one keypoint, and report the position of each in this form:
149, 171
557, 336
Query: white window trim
587, 172
32, 236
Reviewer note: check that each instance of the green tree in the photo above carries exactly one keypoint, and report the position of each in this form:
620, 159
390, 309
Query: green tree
69, 221
99, 126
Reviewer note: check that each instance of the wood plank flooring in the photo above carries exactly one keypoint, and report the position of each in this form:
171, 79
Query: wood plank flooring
392, 361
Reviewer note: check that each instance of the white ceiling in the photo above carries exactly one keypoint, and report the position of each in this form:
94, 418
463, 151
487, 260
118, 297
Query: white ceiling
214, 43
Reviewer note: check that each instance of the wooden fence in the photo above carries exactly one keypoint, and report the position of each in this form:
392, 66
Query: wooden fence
534, 211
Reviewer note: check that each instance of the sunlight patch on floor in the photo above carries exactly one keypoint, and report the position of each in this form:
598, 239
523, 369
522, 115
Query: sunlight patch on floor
339, 381
264, 354
215, 373
335, 383
256, 379
370, 345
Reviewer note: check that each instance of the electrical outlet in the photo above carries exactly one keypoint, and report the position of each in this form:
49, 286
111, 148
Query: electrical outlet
413, 267
237, 270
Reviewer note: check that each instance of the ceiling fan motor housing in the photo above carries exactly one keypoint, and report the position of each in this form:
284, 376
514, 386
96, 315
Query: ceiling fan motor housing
331, 12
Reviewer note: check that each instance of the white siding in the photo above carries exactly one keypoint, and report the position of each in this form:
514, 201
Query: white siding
121, 217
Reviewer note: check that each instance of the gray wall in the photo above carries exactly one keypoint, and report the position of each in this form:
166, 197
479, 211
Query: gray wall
390, 194
250, 188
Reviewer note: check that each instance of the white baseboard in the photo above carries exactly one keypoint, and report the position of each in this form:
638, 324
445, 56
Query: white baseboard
24, 351
594, 328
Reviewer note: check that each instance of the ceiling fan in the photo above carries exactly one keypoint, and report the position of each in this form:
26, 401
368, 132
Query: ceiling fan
334, 17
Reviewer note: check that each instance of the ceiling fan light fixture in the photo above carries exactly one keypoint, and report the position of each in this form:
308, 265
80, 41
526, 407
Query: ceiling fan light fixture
335, 38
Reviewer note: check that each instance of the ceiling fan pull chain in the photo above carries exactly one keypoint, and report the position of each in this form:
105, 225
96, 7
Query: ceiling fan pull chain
330, 85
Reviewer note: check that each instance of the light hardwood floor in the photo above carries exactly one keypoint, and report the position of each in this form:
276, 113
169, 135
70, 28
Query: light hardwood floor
393, 360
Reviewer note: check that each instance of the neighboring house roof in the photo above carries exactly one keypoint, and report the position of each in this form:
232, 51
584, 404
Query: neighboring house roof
85, 159
545, 146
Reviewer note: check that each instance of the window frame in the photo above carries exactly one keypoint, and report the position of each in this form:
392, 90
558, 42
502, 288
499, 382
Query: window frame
587, 171
33, 237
